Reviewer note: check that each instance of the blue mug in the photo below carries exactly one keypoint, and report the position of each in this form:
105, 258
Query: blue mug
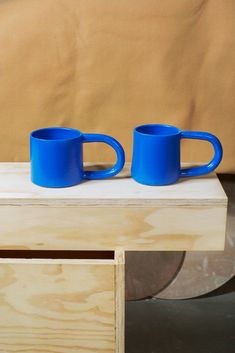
156, 154
56, 156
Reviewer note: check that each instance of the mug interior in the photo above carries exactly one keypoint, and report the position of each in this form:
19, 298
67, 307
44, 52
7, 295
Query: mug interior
158, 130
56, 133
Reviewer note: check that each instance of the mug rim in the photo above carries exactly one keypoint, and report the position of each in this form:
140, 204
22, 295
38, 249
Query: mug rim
174, 130
66, 129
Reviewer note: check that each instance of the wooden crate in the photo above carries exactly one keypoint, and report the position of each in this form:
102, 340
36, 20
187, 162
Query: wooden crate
73, 304
111, 214
62, 305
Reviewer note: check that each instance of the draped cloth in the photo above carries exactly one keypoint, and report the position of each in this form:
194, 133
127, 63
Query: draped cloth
108, 65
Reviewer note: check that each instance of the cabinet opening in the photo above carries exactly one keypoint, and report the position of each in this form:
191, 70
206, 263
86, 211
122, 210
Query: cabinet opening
57, 254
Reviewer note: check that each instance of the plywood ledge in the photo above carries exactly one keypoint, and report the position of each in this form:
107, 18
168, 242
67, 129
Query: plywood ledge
120, 191
46, 304
116, 213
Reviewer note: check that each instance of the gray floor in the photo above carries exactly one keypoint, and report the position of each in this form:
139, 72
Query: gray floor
205, 325
201, 325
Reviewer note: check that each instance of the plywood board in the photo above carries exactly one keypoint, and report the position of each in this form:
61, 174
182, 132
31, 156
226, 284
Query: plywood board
111, 214
120, 301
104, 228
57, 305
17, 189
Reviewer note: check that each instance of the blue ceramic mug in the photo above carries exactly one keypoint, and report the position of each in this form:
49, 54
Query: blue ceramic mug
156, 154
56, 156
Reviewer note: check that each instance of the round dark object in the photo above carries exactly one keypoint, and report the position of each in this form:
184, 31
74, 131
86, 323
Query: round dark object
149, 272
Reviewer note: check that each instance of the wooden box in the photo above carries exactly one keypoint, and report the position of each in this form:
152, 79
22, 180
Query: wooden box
111, 214
55, 297
62, 305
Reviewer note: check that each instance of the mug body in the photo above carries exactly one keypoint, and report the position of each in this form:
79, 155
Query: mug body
156, 154
56, 157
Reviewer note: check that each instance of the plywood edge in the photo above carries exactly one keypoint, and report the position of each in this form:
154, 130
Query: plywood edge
57, 261
62, 202
119, 257
120, 301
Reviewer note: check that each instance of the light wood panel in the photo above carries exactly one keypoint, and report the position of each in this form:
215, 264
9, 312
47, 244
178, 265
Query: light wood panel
111, 214
104, 228
17, 189
60, 305
120, 301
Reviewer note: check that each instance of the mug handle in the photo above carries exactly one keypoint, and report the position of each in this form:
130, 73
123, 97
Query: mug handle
110, 172
218, 153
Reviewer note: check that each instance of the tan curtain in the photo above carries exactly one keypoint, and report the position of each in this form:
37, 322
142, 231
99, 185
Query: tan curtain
107, 65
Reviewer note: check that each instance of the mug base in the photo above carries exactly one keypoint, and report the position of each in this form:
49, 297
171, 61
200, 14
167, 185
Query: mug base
54, 186
154, 183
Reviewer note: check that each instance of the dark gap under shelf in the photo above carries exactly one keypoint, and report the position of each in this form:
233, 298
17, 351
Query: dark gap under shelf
57, 254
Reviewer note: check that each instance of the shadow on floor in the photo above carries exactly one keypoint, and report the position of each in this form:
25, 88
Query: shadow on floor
228, 287
205, 324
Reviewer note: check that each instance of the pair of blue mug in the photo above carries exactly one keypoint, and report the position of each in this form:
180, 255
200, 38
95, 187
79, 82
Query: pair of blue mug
56, 155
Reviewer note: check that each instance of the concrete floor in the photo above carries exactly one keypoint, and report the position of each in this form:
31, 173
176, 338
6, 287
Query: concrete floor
201, 325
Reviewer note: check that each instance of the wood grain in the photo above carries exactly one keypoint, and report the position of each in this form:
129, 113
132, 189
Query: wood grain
103, 228
57, 306
110, 214
120, 301
17, 189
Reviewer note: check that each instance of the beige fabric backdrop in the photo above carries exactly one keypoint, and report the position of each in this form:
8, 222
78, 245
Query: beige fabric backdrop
107, 65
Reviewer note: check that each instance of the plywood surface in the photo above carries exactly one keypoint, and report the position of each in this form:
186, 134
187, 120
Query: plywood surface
111, 214
104, 228
17, 189
120, 301
57, 306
